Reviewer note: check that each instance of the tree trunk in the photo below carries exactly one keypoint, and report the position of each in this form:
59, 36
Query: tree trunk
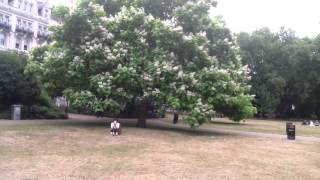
175, 118
142, 116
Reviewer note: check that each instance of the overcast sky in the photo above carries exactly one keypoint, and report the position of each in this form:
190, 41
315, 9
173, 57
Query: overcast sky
248, 15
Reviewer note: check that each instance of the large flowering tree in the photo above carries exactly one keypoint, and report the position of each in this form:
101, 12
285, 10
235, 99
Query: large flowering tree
180, 58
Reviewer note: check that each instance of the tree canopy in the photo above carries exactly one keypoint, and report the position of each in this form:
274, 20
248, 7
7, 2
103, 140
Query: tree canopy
14, 86
108, 54
284, 70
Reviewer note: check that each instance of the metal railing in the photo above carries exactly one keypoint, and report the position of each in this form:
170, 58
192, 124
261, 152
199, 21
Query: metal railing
5, 23
24, 29
42, 33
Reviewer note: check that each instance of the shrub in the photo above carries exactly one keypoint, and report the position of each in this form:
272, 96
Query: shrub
5, 114
18, 88
42, 112
15, 87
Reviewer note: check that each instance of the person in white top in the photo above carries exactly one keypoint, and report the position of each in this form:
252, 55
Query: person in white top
115, 127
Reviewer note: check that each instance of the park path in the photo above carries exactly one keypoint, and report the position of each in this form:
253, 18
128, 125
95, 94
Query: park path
157, 124
167, 125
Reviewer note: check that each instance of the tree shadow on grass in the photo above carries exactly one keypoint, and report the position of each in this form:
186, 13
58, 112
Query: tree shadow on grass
131, 123
230, 123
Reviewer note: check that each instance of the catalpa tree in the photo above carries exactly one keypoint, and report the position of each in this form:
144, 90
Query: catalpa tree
103, 61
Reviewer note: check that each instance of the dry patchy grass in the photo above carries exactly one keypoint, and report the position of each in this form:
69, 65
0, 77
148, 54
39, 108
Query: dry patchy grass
64, 150
265, 126
259, 125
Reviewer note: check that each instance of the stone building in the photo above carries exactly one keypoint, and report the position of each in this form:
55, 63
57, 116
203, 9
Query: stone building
24, 24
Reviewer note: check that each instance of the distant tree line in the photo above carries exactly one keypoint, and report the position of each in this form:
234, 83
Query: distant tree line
284, 71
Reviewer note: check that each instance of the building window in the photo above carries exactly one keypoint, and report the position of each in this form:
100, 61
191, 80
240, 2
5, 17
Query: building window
7, 19
27, 44
25, 6
10, 2
2, 39
19, 4
40, 10
4, 18
19, 23
24, 24
31, 5
18, 43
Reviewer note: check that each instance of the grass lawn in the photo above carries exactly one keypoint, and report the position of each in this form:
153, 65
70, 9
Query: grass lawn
85, 150
266, 126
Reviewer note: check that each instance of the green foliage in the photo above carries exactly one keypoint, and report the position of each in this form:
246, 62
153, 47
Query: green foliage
42, 108
105, 57
284, 71
19, 88
4, 113
42, 112
50, 76
61, 12
14, 86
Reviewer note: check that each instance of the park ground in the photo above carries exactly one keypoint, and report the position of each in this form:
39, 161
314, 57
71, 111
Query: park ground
82, 148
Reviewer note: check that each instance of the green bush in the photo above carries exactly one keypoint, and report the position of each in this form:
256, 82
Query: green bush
19, 88
15, 86
43, 108
42, 112
5, 114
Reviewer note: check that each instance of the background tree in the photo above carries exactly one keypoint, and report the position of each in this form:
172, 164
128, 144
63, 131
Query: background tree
284, 71
14, 86
19, 88
60, 13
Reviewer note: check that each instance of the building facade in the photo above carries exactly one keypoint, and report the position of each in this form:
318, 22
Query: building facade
24, 24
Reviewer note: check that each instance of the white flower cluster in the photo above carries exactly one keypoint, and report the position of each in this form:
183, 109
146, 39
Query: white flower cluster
92, 46
188, 37
140, 32
178, 28
96, 7
213, 69
119, 50
86, 93
151, 92
201, 107
127, 14
77, 62
119, 90
146, 77
150, 17
54, 55
202, 34
165, 66
103, 81
102, 85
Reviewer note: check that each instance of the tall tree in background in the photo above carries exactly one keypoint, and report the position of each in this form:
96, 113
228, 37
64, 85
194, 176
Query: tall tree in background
14, 86
106, 55
284, 70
